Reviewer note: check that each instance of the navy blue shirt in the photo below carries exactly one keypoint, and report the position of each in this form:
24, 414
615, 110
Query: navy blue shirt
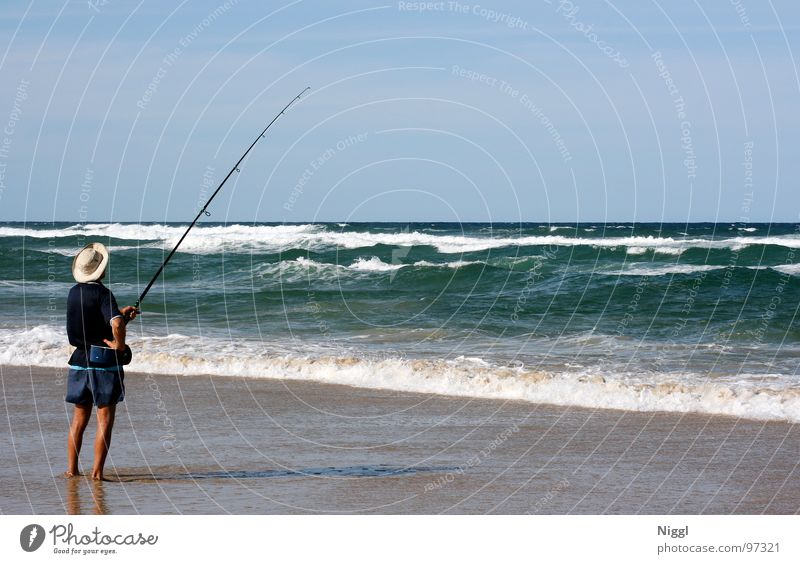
90, 309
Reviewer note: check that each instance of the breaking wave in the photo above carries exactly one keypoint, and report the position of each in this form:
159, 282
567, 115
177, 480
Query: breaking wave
280, 238
748, 397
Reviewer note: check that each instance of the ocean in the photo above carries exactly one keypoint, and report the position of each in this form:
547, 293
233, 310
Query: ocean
683, 318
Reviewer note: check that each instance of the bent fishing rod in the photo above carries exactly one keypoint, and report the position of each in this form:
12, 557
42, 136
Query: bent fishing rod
204, 210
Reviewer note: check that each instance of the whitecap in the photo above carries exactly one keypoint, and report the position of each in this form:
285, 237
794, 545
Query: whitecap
373, 264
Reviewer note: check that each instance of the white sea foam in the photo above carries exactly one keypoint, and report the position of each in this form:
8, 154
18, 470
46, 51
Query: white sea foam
42, 345
646, 269
70, 251
793, 269
296, 270
251, 238
674, 251
373, 264
452, 264
158, 232
749, 396
254, 238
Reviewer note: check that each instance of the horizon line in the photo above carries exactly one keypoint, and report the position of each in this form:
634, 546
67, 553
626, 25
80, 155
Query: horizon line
471, 222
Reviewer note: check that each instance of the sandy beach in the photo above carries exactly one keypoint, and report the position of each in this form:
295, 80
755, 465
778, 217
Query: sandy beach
208, 445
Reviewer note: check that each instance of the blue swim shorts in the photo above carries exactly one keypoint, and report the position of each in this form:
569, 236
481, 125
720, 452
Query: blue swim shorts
100, 386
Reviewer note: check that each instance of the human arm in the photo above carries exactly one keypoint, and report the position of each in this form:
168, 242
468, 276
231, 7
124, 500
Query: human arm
117, 318
118, 331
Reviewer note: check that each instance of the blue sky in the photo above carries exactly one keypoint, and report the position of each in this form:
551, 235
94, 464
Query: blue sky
440, 111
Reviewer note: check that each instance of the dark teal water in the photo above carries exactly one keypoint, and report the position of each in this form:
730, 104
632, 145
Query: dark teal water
703, 299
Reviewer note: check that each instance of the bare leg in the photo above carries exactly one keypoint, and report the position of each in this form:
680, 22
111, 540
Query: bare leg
102, 442
80, 418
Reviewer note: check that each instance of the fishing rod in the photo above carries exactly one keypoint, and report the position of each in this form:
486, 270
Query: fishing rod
204, 210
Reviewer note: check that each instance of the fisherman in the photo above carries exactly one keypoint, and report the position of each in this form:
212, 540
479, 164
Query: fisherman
93, 318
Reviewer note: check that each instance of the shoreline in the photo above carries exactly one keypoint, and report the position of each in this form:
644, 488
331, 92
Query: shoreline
213, 444
518, 402
448, 379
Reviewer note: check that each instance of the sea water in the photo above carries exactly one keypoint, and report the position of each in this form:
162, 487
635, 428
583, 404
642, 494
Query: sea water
673, 317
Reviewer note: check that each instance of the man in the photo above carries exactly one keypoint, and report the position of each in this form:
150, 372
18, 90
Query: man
93, 318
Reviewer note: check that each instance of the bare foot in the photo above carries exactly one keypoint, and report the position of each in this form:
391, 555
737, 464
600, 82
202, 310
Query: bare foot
69, 474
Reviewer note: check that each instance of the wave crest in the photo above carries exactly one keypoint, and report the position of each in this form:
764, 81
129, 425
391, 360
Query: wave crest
280, 238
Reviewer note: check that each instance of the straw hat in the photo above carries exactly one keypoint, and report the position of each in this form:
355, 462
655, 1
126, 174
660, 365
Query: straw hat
90, 263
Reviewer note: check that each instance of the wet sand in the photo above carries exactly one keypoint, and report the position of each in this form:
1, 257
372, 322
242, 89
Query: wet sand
248, 446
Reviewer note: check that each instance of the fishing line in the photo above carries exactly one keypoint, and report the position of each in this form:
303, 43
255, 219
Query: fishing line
204, 210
